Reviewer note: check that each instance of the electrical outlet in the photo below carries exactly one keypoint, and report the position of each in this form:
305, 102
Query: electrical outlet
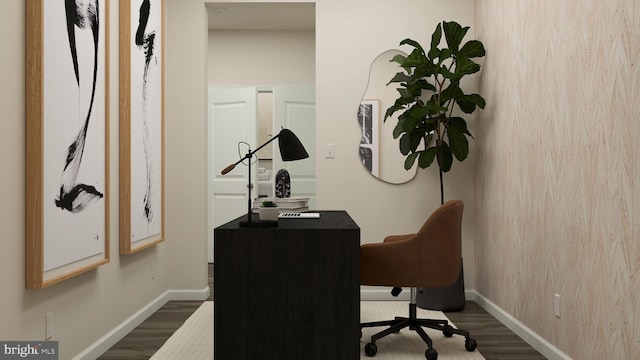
556, 305
48, 323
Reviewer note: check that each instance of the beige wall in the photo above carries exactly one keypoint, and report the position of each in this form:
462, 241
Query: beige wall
557, 194
87, 307
186, 136
261, 58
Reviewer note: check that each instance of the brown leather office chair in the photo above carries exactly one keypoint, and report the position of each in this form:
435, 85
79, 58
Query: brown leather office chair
432, 257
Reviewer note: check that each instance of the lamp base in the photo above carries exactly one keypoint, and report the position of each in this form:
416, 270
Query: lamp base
258, 224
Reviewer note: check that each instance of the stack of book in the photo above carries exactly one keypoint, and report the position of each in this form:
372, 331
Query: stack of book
290, 204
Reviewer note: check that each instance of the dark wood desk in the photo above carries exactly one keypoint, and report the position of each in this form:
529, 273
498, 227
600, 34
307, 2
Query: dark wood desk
288, 293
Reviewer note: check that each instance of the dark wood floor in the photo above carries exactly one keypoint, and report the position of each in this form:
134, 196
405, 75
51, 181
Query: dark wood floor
495, 341
146, 339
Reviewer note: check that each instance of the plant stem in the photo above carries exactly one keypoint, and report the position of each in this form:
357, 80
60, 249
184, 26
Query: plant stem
441, 187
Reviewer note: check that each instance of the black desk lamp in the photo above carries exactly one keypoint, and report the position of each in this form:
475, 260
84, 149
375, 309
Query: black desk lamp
290, 149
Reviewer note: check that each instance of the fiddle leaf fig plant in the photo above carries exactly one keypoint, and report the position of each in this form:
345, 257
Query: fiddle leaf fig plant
429, 92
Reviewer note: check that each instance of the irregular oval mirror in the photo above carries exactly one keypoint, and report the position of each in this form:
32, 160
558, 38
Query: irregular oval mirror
379, 151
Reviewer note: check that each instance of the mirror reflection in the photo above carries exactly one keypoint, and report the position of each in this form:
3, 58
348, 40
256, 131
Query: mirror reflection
379, 151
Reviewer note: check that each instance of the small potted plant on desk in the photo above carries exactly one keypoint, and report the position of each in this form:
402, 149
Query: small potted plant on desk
269, 211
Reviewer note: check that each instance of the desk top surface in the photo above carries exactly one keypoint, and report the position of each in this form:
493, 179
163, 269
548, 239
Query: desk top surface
338, 219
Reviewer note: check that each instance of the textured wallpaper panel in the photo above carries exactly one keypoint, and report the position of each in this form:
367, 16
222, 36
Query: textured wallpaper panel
557, 194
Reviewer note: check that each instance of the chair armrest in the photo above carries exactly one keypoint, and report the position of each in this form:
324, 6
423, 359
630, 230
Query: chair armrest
391, 263
391, 238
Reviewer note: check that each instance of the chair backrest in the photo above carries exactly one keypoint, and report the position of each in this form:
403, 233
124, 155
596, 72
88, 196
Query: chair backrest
440, 244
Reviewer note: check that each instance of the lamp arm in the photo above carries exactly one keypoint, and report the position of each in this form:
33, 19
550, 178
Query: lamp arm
248, 156
265, 144
229, 168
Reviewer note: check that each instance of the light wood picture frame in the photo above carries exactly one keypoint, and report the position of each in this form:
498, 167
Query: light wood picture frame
67, 139
141, 124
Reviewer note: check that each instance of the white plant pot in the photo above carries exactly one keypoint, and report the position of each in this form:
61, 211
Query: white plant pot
269, 214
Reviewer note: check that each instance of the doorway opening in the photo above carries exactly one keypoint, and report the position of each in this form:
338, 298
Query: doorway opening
263, 46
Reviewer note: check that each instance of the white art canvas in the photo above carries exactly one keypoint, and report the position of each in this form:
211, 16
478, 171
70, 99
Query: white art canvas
146, 119
74, 123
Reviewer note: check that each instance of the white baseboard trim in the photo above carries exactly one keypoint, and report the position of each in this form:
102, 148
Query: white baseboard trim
116, 334
189, 295
543, 346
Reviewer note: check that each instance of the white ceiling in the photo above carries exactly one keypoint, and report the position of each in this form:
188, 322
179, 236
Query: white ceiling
261, 16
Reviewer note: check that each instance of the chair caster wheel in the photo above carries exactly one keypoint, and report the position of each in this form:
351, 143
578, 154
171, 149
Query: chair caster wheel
447, 331
470, 344
371, 349
431, 354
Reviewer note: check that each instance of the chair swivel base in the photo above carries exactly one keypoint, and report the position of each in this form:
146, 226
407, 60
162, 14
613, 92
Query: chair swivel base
415, 324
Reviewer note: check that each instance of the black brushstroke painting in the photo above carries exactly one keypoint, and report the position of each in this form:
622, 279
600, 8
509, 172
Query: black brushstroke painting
74, 197
146, 42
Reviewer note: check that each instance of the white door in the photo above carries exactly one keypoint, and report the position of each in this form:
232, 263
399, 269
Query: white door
232, 120
294, 108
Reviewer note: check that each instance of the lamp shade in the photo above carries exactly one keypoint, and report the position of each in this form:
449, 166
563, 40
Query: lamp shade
290, 146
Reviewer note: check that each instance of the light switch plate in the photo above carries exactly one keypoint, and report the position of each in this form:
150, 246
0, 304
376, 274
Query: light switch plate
330, 151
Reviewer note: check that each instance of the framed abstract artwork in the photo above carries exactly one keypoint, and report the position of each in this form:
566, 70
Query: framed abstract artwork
67, 139
369, 120
141, 124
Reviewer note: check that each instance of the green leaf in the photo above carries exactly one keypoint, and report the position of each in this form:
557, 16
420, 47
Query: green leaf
445, 158
447, 74
423, 85
461, 124
399, 77
433, 108
472, 49
398, 59
433, 54
466, 106
450, 92
398, 130
454, 33
476, 99
405, 95
416, 58
457, 122
458, 143
405, 144
416, 137
419, 111
427, 156
425, 70
410, 160
436, 37
465, 66
445, 54
391, 110
468, 103
410, 123
413, 43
